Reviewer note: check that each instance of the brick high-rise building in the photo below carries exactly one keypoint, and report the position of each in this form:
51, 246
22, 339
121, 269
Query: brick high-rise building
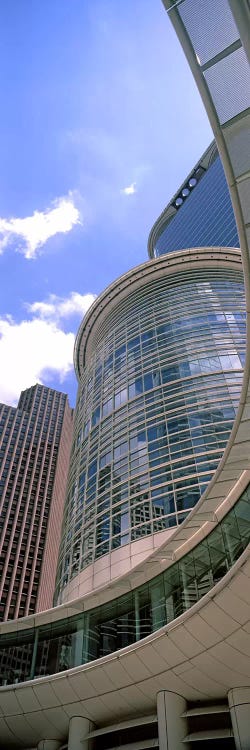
35, 442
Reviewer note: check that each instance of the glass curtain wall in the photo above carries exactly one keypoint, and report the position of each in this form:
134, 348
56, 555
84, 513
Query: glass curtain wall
67, 643
204, 217
155, 409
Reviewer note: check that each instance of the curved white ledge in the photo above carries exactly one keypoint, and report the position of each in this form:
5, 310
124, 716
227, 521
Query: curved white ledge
201, 655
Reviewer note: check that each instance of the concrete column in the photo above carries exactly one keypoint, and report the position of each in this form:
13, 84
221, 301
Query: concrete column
49, 744
239, 704
172, 728
80, 728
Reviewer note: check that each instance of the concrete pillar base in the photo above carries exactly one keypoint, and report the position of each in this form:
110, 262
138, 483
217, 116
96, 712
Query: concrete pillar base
79, 728
239, 704
172, 728
49, 745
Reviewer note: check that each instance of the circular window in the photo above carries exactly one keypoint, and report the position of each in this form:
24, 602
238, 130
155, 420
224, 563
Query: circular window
178, 201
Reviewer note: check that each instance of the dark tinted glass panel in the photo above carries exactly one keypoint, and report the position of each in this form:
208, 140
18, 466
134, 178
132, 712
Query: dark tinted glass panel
205, 218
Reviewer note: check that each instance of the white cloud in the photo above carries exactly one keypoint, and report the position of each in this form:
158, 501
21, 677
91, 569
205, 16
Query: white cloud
56, 308
35, 230
35, 350
29, 350
130, 190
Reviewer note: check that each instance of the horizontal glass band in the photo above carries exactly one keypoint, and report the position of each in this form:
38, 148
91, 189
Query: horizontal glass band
67, 643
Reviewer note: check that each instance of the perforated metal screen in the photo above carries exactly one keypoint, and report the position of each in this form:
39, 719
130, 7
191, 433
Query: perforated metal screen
230, 75
210, 25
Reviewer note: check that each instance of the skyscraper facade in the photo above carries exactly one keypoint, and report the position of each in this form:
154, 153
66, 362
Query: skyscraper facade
199, 214
35, 444
159, 359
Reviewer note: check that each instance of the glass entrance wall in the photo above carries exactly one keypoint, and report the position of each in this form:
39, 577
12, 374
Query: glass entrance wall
156, 405
61, 645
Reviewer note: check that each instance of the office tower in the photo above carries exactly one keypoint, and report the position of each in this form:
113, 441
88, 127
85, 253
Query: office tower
159, 361
35, 444
199, 214
156, 654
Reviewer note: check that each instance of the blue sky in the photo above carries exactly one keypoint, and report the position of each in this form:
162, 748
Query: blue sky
97, 98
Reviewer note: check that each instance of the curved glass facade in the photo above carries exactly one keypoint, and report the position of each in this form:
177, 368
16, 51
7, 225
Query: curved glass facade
66, 643
205, 218
156, 405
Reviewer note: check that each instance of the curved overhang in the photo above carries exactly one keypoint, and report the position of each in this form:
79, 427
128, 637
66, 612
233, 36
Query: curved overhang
217, 47
200, 655
172, 208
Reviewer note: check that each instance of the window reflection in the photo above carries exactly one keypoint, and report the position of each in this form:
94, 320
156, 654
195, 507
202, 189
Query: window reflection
61, 645
157, 402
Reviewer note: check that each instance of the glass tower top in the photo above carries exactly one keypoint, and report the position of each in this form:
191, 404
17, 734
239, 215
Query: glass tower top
200, 214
